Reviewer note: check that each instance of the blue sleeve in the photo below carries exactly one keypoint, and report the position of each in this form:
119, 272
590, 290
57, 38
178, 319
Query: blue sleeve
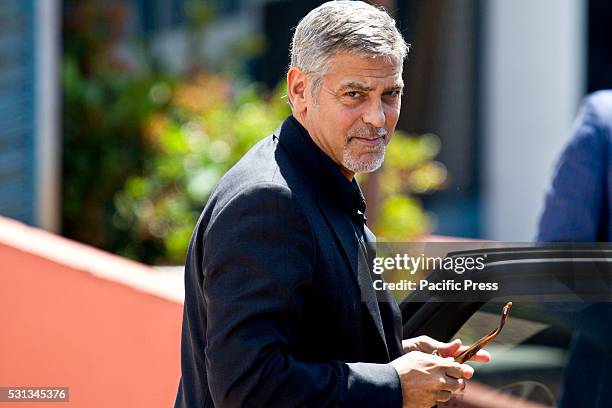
576, 197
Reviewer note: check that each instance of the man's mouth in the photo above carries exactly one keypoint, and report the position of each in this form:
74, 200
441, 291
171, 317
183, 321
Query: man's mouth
370, 140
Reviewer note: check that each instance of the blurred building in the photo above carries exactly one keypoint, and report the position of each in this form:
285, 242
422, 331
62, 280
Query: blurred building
29, 100
499, 82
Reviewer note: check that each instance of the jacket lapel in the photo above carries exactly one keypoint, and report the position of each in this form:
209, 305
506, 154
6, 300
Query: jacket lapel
308, 164
390, 313
343, 229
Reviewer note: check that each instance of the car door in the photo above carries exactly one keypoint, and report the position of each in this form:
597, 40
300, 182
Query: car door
529, 357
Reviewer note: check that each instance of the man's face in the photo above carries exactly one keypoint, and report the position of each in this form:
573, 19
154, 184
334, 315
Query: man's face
353, 114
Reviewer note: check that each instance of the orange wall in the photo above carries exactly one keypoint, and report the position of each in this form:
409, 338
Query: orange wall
60, 325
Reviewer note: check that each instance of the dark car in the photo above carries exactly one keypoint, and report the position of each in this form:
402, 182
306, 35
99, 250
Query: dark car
550, 288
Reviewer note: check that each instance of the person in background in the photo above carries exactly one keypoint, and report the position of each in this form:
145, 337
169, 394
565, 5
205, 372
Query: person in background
578, 208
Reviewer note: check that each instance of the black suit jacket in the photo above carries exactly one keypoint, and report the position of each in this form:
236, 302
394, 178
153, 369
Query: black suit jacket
279, 308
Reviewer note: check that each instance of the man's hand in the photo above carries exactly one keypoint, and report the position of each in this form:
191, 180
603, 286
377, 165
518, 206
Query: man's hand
427, 345
427, 379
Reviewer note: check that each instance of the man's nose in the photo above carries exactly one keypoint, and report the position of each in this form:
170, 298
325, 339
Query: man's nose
375, 114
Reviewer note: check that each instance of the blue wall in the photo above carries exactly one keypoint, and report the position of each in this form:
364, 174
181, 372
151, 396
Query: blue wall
17, 114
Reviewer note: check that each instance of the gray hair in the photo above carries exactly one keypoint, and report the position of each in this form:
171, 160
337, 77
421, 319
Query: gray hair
344, 26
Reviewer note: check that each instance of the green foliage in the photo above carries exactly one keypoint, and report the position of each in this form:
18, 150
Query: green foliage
204, 131
114, 174
105, 102
101, 124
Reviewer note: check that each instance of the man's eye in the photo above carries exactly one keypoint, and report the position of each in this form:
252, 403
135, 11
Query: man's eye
394, 94
352, 94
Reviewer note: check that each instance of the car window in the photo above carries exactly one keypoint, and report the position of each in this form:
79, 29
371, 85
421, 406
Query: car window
528, 357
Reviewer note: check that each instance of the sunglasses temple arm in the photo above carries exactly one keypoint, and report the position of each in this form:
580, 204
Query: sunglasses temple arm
474, 348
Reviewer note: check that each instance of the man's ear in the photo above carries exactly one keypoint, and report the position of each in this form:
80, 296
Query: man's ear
297, 85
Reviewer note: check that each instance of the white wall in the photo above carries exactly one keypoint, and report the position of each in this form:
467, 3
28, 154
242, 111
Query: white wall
534, 59
48, 112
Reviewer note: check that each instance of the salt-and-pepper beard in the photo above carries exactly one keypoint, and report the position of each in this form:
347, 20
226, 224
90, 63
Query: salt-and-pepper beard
353, 163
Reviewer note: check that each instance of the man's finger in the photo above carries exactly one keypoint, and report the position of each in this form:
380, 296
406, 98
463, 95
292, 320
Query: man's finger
451, 384
443, 396
457, 370
468, 371
482, 356
447, 349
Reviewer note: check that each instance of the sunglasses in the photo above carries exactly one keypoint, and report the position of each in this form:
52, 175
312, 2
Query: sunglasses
468, 353
474, 348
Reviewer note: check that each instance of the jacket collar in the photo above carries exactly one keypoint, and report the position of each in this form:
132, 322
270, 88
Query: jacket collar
316, 167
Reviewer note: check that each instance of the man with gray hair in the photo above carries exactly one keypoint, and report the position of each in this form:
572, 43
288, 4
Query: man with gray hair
280, 310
